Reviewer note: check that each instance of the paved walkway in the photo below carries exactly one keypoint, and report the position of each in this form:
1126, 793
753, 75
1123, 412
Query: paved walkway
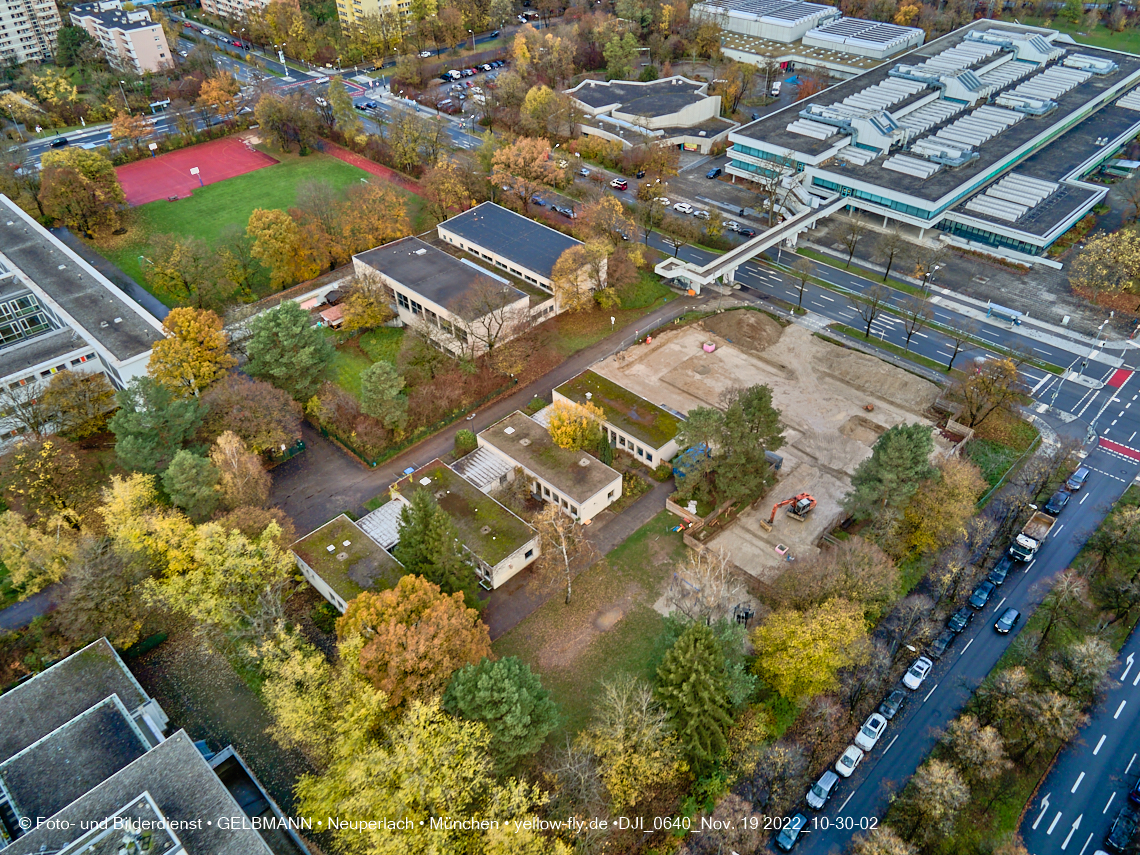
24, 612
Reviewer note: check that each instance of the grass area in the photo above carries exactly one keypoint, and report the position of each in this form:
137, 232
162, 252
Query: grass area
356, 354
211, 209
911, 572
354, 559
1008, 429
562, 642
574, 332
631, 413
890, 348
8, 594
992, 458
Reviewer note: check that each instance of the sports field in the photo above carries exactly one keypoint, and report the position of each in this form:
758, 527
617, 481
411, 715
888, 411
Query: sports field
169, 175
210, 209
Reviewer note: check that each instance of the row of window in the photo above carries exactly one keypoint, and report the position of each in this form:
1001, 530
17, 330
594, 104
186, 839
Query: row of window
409, 305
987, 237
552, 496
630, 446
893, 204
474, 251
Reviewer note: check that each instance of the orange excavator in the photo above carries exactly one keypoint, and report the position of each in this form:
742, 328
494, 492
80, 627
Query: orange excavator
800, 507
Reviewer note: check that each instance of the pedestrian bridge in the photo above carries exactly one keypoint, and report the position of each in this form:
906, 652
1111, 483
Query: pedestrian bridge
724, 266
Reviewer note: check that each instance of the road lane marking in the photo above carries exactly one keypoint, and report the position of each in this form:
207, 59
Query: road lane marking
1111, 796
1080, 778
1120, 709
1096, 750
1132, 437
825, 297
889, 744
928, 694
1137, 680
967, 647
845, 801
1061, 526
1130, 762
1086, 495
1086, 846
1053, 824
1131, 658
998, 606
1030, 564
1044, 810
1076, 825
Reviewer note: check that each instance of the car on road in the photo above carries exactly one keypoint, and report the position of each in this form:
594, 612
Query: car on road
960, 620
494, 35
849, 760
60, 142
1007, 621
790, 833
640, 173
701, 215
424, 54
941, 643
892, 704
584, 172
683, 208
1001, 570
566, 212
731, 225
1057, 502
619, 184
821, 791
663, 201
1077, 479
716, 172
538, 200
746, 233
873, 728
982, 594
182, 53
918, 672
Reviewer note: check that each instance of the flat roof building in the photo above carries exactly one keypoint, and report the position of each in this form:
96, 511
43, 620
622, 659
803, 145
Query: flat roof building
632, 424
236, 10
581, 485
671, 111
130, 40
508, 240
57, 313
28, 30
985, 134
340, 560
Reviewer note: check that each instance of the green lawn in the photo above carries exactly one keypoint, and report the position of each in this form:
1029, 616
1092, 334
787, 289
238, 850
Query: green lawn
356, 354
561, 641
214, 207
7, 592
579, 330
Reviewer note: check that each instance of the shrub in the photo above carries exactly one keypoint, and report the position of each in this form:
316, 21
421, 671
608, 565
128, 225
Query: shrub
535, 405
465, 442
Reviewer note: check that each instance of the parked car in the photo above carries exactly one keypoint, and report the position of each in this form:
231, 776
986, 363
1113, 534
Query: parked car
584, 172
619, 184
1134, 793
717, 172
918, 672
485, 66
701, 215
790, 833
776, 87
873, 728
663, 201
746, 233
1007, 621
982, 594
731, 225
1001, 570
849, 760
959, 620
538, 200
943, 641
683, 208
821, 791
1077, 479
1057, 502
424, 54
892, 704
640, 173
566, 212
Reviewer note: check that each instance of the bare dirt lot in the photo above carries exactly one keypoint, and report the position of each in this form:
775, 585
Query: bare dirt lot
834, 402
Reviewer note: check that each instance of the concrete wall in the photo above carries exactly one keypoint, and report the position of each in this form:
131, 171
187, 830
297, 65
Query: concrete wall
516, 561
320, 584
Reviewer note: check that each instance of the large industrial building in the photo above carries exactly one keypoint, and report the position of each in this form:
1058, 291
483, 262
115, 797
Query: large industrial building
986, 133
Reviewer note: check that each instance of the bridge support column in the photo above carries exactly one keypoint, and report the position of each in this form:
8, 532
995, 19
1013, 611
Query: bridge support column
728, 277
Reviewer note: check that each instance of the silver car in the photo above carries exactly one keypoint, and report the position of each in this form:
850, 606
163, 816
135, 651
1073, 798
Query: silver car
819, 794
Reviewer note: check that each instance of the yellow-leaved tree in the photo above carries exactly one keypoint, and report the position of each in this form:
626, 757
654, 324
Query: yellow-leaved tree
275, 237
939, 510
1109, 263
574, 425
194, 353
34, 559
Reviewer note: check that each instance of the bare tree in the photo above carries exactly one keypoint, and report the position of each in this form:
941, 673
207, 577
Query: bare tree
910, 622
960, 336
870, 303
804, 270
491, 314
564, 546
916, 314
852, 233
1069, 594
772, 187
705, 587
864, 681
23, 406
892, 246
778, 778
928, 259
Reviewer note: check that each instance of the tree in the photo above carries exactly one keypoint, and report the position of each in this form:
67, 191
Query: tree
680, 231
573, 288
631, 738
800, 652
288, 121
151, 425
563, 546
34, 559
883, 840
287, 351
777, 778
415, 637
961, 336
916, 314
490, 314
219, 93
803, 270
77, 403
241, 478
691, 685
54, 87
132, 128
978, 750
80, 189
500, 12
508, 698
302, 692
186, 267
194, 353
381, 395
343, 110
366, 304
891, 247
937, 513
620, 52
995, 385
606, 219
48, 479
733, 826
430, 547
856, 569
931, 801
235, 253
575, 426
71, 41
191, 482
899, 462
263, 416
704, 586
445, 188
851, 234
101, 598
23, 404
525, 167
869, 303
1068, 593
275, 239
372, 214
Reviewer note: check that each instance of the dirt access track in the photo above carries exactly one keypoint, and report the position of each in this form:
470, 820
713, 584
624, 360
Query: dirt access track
822, 392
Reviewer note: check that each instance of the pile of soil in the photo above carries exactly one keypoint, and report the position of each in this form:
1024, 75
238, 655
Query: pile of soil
748, 330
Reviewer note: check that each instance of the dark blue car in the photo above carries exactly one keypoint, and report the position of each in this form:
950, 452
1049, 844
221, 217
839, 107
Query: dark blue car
715, 173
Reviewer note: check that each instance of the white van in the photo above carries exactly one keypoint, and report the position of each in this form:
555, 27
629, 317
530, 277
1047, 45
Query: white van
776, 89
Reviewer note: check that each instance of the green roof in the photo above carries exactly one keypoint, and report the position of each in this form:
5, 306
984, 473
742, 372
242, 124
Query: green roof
626, 411
485, 527
348, 570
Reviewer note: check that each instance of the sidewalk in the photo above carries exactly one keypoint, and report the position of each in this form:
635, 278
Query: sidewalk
24, 612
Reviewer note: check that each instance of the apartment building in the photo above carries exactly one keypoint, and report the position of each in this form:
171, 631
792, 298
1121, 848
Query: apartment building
236, 10
28, 30
130, 40
357, 11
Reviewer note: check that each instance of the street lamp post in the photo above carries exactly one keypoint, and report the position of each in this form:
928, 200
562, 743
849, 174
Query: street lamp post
472, 33
17, 125
125, 101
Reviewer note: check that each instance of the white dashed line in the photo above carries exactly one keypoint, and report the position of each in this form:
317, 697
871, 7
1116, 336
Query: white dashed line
889, 744
1096, 750
1086, 495
928, 694
1053, 824
1109, 802
1080, 778
967, 647
1130, 762
845, 801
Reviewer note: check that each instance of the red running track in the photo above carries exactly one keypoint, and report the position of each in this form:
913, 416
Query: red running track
169, 174
351, 157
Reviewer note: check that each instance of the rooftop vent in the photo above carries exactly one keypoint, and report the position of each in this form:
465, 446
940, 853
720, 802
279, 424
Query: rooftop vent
118, 320
524, 441
508, 430
485, 530
584, 462
331, 547
420, 251
589, 396
425, 481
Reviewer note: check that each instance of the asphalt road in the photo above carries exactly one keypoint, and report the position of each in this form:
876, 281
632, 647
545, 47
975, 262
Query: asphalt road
1090, 780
